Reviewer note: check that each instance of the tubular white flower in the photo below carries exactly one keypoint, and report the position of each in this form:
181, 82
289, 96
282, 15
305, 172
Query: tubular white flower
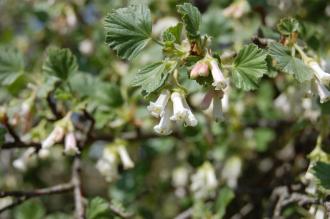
323, 76
217, 108
190, 119
219, 81
155, 108
55, 136
204, 181
164, 127
323, 92
180, 113
23, 161
207, 99
107, 169
70, 144
125, 158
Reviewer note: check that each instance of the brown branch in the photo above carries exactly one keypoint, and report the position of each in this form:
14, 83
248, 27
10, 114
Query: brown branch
11, 145
78, 197
11, 129
25, 195
52, 105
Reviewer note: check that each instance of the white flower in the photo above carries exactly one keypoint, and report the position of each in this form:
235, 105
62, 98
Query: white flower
219, 81
204, 182
125, 158
323, 92
231, 171
217, 107
155, 108
190, 119
55, 136
24, 160
164, 127
321, 75
43, 153
70, 144
180, 113
107, 165
207, 99
180, 177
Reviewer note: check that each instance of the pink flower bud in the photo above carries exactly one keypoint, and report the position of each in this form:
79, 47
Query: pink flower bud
200, 69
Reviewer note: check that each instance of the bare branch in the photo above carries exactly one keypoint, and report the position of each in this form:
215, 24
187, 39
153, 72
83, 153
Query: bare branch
78, 197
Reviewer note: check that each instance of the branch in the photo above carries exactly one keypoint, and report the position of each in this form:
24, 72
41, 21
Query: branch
11, 129
52, 105
11, 145
78, 198
25, 195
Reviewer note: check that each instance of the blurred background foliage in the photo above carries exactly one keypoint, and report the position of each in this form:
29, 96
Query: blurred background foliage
259, 146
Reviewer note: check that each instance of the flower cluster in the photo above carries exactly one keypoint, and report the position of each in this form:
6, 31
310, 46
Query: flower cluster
107, 165
63, 129
175, 110
322, 80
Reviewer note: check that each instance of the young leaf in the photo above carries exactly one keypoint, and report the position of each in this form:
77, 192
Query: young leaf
286, 26
128, 30
173, 34
321, 172
226, 195
288, 64
191, 18
98, 208
60, 63
249, 66
11, 65
152, 77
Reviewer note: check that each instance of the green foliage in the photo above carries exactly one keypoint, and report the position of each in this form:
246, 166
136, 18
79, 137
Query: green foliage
321, 172
153, 76
11, 65
108, 94
191, 18
128, 30
30, 210
60, 63
287, 26
249, 67
288, 64
98, 208
173, 34
226, 195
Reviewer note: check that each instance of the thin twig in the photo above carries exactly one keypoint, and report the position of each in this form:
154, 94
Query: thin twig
78, 198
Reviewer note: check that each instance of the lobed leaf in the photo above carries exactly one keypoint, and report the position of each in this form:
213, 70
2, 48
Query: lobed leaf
321, 172
288, 64
60, 63
249, 66
191, 18
11, 65
128, 30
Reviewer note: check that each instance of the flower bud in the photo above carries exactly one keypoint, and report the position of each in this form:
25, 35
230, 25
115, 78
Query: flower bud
70, 144
200, 69
219, 81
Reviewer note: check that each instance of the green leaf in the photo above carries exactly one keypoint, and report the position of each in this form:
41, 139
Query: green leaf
173, 34
30, 210
108, 94
128, 30
321, 171
191, 18
249, 66
286, 26
11, 65
98, 208
60, 63
226, 195
152, 77
288, 64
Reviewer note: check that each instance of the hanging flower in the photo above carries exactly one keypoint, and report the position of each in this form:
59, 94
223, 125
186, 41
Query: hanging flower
321, 75
155, 108
107, 165
180, 113
55, 136
204, 181
201, 68
219, 81
70, 144
125, 158
323, 92
190, 119
164, 127
217, 106
24, 160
